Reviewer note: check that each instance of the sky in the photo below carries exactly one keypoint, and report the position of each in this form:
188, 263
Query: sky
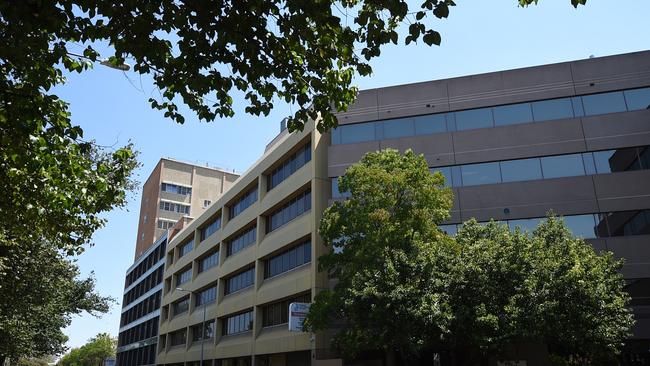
479, 36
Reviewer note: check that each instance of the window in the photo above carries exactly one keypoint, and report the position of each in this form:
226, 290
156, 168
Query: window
397, 128
581, 225
164, 224
175, 188
206, 296
243, 202
278, 313
174, 207
238, 323
562, 166
208, 331
185, 247
241, 241
357, 133
240, 281
288, 260
475, 174
524, 224
451, 229
433, 123
181, 306
289, 166
211, 228
603, 103
184, 276
178, 338
474, 118
637, 99
206, 203
294, 208
512, 114
208, 262
547, 110
520, 170
626, 223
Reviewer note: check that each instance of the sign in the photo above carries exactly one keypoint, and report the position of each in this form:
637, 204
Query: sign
297, 314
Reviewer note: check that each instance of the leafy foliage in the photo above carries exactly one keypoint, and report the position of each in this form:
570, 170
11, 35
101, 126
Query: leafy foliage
204, 52
403, 285
93, 353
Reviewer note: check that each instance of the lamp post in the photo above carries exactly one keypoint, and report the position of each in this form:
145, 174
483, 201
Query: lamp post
202, 323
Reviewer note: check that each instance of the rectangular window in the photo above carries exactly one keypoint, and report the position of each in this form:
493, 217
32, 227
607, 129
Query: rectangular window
206, 296
603, 103
524, 224
475, 174
241, 241
164, 224
278, 313
626, 223
178, 338
185, 248
562, 166
289, 166
184, 277
288, 260
357, 133
521, 170
432, 123
583, 226
181, 306
211, 228
474, 118
238, 323
175, 188
292, 209
446, 172
637, 99
243, 203
174, 207
240, 281
512, 114
335, 189
547, 110
397, 128
208, 262
208, 331
450, 229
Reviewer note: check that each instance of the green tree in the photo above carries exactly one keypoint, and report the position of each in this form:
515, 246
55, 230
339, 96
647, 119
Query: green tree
393, 263
42, 361
93, 353
405, 287
206, 52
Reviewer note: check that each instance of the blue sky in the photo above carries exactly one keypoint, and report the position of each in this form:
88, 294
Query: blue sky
479, 36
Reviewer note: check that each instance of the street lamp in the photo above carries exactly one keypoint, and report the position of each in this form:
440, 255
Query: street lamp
202, 323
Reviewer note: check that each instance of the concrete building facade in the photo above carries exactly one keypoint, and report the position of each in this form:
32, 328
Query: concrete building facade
175, 189
572, 137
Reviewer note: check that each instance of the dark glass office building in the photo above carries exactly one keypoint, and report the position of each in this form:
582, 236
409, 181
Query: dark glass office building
572, 137
138, 335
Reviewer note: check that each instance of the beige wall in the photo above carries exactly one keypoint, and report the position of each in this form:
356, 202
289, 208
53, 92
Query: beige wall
260, 341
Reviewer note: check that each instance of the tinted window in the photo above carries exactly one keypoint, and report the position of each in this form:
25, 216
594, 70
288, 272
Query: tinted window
336, 136
546, 110
433, 123
474, 118
398, 128
357, 133
638, 99
335, 189
524, 224
616, 160
603, 103
449, 229
475, 174
446, 172
578, 110
581, 225
562, 166
512, 114
519, 170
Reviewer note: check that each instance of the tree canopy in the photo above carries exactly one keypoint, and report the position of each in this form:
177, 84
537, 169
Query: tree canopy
402, 285
93, 353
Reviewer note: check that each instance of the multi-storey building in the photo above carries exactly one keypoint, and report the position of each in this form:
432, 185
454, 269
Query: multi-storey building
138, 334
570, 137
173, 190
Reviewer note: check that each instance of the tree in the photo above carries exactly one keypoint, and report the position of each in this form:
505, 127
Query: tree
404, 286
93, 353
206, 52
390, 260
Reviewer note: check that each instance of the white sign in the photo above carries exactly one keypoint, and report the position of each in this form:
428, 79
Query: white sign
297, 314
